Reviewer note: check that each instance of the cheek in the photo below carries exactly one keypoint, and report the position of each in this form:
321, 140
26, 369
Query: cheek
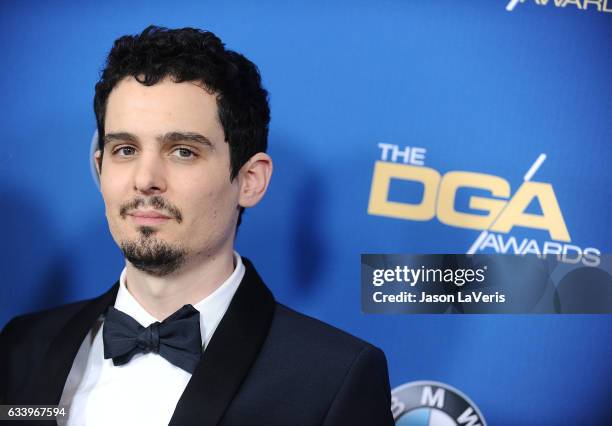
111, 195
110, 204
116, 184
215, 209
112, 217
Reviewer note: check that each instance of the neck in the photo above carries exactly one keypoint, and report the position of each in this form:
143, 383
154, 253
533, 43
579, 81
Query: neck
162, 296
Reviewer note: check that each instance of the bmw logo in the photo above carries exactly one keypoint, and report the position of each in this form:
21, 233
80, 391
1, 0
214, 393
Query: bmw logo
426, 403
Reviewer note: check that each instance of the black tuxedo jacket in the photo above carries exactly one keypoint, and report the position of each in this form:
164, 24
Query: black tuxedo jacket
265, 365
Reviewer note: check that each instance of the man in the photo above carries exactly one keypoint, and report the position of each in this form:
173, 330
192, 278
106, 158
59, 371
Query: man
190, 334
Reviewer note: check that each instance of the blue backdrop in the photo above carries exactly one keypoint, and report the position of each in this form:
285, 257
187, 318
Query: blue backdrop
480, 88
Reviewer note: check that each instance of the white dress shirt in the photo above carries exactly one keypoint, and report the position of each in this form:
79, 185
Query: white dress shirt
144, 391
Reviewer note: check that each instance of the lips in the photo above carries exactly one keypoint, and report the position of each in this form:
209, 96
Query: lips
148, 217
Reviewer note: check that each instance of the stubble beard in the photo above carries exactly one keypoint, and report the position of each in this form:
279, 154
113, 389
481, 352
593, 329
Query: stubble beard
151, 255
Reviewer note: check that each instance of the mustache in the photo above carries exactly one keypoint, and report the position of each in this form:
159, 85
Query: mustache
156, 202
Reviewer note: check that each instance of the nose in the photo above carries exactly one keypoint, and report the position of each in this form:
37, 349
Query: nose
150, 176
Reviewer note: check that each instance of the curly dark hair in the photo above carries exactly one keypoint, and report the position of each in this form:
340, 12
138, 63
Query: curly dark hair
190, 54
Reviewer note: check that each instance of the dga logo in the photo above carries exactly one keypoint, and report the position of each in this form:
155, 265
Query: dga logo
599, 5
426, 403
495, 215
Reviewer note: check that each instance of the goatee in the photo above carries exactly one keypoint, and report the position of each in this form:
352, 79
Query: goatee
151, 255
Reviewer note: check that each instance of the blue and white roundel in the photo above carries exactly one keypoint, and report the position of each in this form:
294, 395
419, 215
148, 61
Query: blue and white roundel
425, 417
427, 403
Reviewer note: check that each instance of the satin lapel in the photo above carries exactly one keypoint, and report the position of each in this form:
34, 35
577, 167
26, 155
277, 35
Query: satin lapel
229, 355
63, 349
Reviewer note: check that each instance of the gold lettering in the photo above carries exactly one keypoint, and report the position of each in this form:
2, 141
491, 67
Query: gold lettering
597, 3
379, 203
551, 218
574, 2
452, 181
504, 219
558, 3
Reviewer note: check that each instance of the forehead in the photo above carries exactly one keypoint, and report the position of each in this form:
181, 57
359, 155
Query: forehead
164, 107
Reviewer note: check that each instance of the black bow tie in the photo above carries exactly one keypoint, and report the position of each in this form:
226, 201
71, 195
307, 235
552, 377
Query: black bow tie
177, 338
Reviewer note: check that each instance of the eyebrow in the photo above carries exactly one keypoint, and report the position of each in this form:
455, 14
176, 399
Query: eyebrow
119, 137
185, 136
169, 137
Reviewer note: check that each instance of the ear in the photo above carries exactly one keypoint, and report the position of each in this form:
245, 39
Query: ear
98, 161
253, 179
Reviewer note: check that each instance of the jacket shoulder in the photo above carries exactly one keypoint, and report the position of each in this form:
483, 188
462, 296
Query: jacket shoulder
318, 348
316, 334
312, 368
353, 378
25, 341
39, 326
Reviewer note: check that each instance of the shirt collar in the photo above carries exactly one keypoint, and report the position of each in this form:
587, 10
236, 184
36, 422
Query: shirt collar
211, 308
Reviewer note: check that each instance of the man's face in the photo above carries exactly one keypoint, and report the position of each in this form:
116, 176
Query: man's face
165, 175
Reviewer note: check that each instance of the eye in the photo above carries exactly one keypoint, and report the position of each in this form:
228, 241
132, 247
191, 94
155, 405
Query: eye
124, 151
184, 153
